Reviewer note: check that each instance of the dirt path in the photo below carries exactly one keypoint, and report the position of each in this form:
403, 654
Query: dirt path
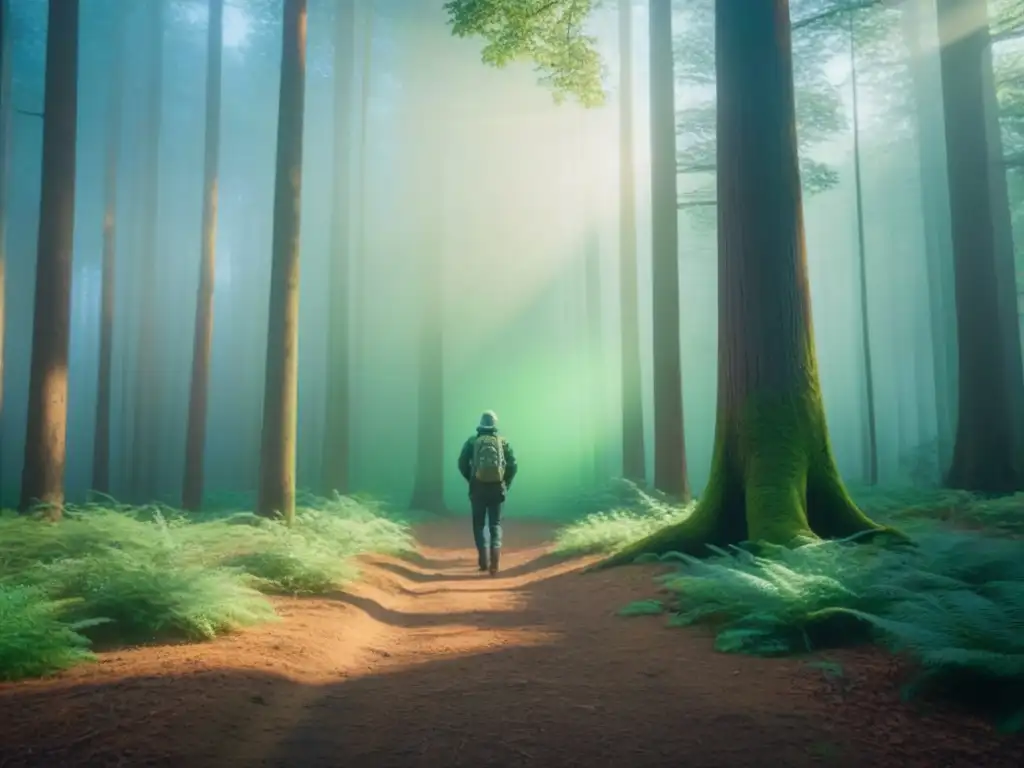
428, 663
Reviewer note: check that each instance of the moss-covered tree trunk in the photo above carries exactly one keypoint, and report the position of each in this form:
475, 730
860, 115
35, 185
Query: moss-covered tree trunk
280, 394
984, 452
773, 477
337, 430
202, 339
633, 459
670, 475
42, 478
101, 430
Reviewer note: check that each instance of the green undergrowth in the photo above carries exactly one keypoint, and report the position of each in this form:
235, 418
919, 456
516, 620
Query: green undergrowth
618, 515
572, 507
117, 574
953, 602
960, 509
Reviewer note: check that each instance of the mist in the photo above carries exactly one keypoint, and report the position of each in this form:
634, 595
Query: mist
473, 176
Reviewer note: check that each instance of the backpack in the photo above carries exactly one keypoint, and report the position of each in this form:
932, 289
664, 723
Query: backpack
489, 459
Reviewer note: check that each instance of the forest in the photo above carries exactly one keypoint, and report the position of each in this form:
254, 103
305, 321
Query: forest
741, 279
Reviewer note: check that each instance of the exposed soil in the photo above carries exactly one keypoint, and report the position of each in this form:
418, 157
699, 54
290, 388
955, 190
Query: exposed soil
428, 663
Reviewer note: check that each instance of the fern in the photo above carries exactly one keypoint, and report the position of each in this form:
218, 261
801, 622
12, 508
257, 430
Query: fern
34, 640
129, 574
954, 602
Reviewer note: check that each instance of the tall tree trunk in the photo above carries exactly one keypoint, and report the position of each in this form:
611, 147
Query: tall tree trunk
934, 209
428, 488
337, 432
145, 433
925, 467
255, 350
595, 368
430, 184
670, 475
360, 259
633, 459
1006, 268
42, 479
773, 476
101, 433
195, 441
6, 112
280, 397
984, 458
871, 447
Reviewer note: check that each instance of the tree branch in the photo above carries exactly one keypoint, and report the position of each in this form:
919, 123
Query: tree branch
539, 10
859, 5
570, 21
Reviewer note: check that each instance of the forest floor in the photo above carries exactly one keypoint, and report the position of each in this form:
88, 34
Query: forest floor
426, 662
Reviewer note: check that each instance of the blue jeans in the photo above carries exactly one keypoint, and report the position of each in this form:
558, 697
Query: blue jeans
486, 513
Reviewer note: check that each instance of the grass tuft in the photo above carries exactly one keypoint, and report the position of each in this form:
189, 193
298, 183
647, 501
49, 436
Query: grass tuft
630, 514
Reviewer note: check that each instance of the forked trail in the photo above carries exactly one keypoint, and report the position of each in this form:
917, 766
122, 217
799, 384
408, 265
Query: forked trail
428, 663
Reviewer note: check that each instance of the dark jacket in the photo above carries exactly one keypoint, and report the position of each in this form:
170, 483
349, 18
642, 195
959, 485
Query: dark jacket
466, 470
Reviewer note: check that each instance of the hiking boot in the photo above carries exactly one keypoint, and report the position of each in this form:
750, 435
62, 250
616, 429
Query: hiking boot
481, 561
495, 557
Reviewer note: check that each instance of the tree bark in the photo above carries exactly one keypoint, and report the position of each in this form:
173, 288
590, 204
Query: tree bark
101, 430
633, 459
773, 476
1006, 268
670, 475
984, 456
42, 479
145, 432
280, 397
195, 440
337, 433
871, 447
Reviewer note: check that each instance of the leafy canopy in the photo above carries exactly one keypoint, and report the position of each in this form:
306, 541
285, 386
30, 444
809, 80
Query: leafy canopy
550, 33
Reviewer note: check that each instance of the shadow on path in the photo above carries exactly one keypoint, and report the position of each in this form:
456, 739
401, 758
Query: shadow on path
430, 573
421, 666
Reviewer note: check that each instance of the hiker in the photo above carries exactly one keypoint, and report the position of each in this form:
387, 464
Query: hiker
488, 464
